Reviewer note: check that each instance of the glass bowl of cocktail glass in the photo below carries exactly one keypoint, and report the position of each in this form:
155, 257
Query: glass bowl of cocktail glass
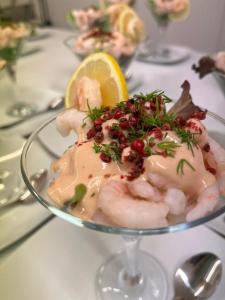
124, 60
12, 39
131, 273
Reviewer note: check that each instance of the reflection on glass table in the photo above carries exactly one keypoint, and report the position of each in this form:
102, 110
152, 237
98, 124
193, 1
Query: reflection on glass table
131, 273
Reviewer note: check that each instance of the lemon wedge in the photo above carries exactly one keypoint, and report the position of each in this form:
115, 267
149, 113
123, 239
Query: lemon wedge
103, 68
129, 24
182, 15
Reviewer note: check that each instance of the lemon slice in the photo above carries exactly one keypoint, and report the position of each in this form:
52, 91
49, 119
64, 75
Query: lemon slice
103, 68
181, 15
130, 24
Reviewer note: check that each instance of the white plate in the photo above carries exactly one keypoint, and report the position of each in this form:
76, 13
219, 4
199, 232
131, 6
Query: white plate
18, 221
175, 55
218, 225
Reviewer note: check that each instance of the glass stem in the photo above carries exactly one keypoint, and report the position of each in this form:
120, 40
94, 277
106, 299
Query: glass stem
131, 274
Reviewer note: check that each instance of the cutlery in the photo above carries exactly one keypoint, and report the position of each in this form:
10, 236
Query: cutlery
53, 105
37, 181
198, 277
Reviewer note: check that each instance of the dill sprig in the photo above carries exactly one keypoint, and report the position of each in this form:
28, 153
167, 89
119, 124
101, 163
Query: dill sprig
151, 96
180, 166
94, 113
187, 137
169, 147
110, 150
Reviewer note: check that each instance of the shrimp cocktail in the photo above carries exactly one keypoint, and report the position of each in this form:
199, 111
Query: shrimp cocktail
133, 167
115, 29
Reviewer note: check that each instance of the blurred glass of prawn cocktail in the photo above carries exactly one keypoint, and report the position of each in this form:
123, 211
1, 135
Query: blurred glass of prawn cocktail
113, 28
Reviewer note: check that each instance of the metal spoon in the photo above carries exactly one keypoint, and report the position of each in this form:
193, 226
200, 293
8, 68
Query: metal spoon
198, 277
37, 180
54, 104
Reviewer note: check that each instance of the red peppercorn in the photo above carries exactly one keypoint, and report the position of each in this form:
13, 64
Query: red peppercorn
180, 121
91, 133
98, 121
200, 115
124, 124
133, 121
157, 133
121, 137
166, 126
107, 116
99, 137
123, 146
206, 147
105, 158
98, 127
138, 145
118, 114
132, 156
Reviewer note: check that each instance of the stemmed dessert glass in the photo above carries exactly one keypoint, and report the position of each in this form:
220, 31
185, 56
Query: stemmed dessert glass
11, 54
130, 273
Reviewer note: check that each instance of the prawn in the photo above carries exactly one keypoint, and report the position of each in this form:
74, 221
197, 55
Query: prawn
72, 119
124, 210
143, 189
160, 181
176, 201
206, 202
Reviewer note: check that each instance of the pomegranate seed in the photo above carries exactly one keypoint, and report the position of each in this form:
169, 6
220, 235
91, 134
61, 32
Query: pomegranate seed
91, 133
99, 137
105, 158
98, 121
138, 145
118, 114
153, 106
124, 124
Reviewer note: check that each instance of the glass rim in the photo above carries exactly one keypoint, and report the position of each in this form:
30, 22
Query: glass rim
101, 227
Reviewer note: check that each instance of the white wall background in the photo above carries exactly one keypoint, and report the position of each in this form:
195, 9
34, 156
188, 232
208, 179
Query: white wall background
204, 30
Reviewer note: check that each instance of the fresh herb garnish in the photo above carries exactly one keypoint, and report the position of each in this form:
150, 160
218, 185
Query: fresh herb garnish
110, 150
79, 193
94, 113
169, 147
187, 137
103, 24
180, 166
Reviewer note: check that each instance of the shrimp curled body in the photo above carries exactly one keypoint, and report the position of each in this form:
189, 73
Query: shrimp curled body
124, 210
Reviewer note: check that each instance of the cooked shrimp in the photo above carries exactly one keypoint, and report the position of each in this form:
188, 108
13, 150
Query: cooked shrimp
87, 93
160, 181
206, 202
143, 189
72, 119
124, 210
176, 201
